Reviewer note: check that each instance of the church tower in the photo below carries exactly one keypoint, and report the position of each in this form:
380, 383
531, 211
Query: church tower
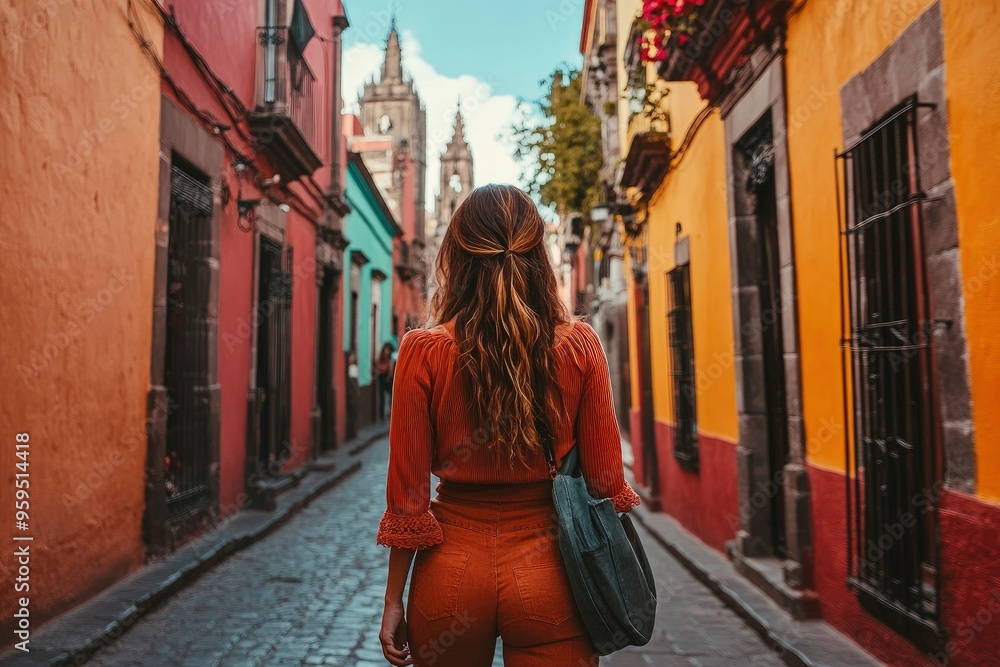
456, 176
392, 107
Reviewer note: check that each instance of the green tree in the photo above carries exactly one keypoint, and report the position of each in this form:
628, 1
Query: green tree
560, 151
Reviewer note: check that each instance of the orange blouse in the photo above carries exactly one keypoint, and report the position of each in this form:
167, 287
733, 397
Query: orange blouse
431, 431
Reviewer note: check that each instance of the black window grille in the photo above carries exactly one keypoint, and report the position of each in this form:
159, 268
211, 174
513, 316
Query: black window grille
274, 354
887, 380
186, 370
682, 366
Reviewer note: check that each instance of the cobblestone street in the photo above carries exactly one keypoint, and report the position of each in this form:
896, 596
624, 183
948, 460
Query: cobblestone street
310, 594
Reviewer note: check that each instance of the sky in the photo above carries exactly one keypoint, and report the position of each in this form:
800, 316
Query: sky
489, 53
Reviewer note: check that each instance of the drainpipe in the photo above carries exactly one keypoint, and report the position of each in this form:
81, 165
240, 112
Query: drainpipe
339, 25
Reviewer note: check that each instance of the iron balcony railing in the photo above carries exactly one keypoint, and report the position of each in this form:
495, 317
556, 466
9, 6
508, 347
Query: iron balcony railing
287, 84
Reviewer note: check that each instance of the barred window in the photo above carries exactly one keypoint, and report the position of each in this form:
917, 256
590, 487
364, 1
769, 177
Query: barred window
682, 366
892, 446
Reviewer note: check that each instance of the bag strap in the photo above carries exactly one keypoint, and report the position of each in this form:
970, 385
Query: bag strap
545, 435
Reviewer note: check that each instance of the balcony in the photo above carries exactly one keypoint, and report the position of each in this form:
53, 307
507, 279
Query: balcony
409, 260
648, 159
731, 31
286, 121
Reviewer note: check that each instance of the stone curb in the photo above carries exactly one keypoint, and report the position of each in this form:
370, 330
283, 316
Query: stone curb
77, 635
807, 643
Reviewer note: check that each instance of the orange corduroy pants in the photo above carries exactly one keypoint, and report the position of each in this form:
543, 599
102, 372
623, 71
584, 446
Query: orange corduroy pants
498, 572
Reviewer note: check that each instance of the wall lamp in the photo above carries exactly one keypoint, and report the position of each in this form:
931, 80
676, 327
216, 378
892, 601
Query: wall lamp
245, 209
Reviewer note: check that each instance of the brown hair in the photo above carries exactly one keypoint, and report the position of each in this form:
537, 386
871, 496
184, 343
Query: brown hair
495, 280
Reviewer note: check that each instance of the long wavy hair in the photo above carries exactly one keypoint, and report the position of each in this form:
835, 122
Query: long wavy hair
496, 282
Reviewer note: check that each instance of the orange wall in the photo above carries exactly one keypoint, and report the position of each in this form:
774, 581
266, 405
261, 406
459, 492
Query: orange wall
813, 82
81, 115
972, 81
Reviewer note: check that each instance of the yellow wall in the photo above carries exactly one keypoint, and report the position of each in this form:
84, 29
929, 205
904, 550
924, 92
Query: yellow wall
625, 13
972, 81
694, 194
858, 31
79, 126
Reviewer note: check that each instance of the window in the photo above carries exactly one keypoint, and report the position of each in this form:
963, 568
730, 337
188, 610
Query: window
376, 315
186, 360
682, 366
355, 301
891, 538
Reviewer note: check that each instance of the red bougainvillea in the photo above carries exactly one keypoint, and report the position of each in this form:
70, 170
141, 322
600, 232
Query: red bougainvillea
664, 19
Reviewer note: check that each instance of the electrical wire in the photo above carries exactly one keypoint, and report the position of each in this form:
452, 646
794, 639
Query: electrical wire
223, 92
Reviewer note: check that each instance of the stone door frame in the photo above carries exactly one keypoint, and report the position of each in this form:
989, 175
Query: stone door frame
758, 91
180, 134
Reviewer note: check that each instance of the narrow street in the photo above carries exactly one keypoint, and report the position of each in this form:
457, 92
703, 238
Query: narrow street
310, 594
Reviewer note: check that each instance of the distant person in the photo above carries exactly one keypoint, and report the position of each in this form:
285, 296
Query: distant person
383, 372
504, 358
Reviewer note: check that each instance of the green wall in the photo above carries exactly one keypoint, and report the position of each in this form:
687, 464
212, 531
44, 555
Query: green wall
369, 232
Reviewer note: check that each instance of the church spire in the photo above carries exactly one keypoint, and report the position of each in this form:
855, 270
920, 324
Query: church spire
458, 138
392, 68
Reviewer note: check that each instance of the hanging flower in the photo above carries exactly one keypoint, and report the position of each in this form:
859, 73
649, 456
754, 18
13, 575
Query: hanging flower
666, 18
652, 47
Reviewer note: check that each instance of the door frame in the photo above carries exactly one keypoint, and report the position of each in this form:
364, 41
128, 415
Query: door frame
181, 135
761, 92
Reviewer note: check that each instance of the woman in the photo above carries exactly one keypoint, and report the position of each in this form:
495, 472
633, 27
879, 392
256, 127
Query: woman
383, 372
469, 393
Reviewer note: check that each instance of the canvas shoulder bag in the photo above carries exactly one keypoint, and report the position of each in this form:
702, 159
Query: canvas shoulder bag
607, 566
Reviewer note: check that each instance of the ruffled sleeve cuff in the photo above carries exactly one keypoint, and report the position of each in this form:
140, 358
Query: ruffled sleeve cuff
625, 499
410, 531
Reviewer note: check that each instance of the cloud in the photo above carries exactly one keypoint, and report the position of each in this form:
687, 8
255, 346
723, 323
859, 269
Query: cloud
487, 116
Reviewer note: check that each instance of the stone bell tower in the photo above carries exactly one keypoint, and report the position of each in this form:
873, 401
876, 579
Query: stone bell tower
392, 107
456, 176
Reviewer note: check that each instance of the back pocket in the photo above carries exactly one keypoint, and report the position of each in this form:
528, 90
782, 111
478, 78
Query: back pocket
437, 581
545, 592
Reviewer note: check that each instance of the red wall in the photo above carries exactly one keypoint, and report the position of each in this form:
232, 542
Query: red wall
236, 247
704, 502
407, 297
231, 54
236, 320
970, 578
970, 575
302, 237
635, 440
